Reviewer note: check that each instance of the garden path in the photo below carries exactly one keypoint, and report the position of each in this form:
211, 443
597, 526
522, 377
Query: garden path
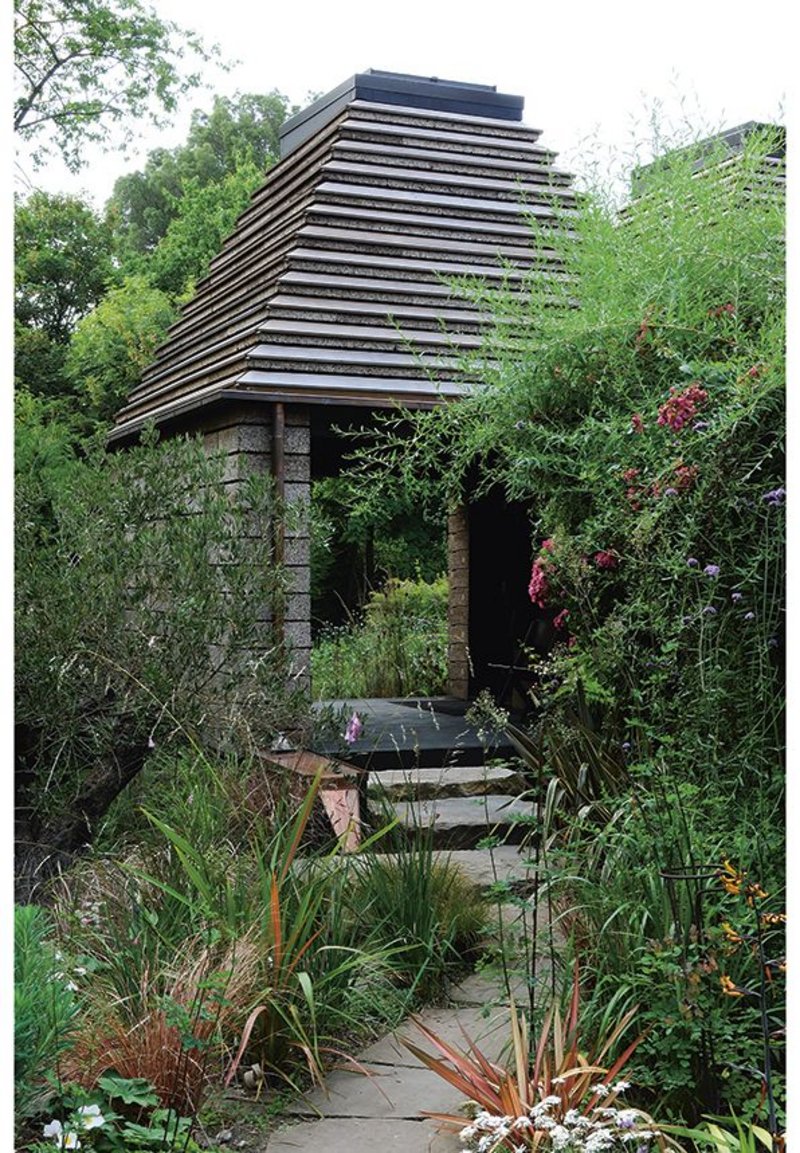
361, 1114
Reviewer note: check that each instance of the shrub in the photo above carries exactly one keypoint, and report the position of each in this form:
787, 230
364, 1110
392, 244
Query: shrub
410, 899
45, 1010
397, 649
137, 626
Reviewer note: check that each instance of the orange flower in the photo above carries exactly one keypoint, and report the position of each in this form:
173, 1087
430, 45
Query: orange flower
731, 934
772, 919
755, 892
728, 987
730, 879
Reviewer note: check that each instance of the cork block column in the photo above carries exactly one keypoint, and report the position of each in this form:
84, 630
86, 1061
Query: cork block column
458, 604
242, 435
297, 540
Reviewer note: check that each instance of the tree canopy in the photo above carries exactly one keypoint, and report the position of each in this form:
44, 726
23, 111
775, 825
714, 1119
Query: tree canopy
63, 262
238, 130
63, 266
86, 71
113, 345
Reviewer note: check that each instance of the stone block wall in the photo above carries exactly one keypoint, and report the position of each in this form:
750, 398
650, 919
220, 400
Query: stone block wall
297, 539
458, 604
244, 434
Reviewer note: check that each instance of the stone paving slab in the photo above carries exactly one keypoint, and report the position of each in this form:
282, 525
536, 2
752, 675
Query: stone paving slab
462, 822
477, 864
489, 1032
482, 989
450, 781
387, 1091
362, 1135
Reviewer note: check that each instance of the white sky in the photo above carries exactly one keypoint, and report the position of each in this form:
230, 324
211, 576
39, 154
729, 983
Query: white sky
586, 70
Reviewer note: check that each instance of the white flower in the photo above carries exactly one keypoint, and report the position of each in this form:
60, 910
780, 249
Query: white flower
560, 1137
73, 988
91, 1117
68, 1140
80, 971
621, 1086
599, 1140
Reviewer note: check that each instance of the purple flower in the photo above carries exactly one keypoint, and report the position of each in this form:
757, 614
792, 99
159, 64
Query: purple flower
710, 611
700, 426
772, 642
735, 597
711, 570
749, 616
776, 497
670, 492
687, 620
692, 561
355, 728
626, 746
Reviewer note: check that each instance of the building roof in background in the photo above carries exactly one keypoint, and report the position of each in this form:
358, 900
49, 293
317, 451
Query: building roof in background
336, 284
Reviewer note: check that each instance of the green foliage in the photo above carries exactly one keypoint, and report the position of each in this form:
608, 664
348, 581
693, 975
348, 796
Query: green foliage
82, 71
357, 545
62, 268
62, 262
239, 131
45, 1009
113, 345
205, 216
141, 589
397, 649
411, 899
118, 1114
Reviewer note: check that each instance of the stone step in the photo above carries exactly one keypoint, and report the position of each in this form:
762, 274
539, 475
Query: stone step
462, 822
505, 863
452, 781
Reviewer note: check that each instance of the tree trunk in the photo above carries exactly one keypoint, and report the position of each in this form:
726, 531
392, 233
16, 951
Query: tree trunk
45, 847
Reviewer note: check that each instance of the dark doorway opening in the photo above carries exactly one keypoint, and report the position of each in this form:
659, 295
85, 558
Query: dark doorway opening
503, 623
378, 579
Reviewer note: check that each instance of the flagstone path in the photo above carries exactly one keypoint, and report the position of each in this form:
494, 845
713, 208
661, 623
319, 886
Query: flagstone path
358, 1113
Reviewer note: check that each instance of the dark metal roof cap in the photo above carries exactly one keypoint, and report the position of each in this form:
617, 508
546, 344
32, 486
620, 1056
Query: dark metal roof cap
425, 92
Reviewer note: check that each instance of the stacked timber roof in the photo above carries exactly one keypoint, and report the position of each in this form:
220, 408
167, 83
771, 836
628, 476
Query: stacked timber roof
336, 285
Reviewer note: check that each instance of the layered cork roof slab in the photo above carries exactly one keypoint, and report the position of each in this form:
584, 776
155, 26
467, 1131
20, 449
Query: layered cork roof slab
336, 285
